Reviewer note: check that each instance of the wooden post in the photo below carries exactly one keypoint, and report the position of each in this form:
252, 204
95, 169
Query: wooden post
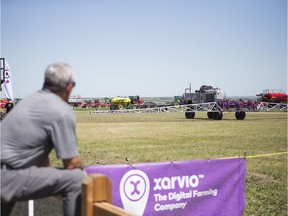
102, 188
87, 196
97, 197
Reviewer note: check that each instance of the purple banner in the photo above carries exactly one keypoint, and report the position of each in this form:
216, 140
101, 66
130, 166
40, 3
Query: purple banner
182, 188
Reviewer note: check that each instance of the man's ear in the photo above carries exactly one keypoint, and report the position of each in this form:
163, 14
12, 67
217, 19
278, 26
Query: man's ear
69, 87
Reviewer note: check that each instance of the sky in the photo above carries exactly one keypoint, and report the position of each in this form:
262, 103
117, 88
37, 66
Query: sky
151, 48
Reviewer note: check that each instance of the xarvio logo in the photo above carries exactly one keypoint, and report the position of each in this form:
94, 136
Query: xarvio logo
134, 191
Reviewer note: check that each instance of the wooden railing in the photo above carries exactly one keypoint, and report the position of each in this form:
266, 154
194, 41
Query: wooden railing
97, 197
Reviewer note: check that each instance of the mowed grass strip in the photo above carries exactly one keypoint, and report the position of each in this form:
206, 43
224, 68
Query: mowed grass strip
137, 138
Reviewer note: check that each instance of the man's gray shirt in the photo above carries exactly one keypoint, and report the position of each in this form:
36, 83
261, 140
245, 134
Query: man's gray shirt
39, 123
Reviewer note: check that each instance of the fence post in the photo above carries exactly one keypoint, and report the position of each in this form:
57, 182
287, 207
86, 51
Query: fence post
97, 197
87, 197
102, 188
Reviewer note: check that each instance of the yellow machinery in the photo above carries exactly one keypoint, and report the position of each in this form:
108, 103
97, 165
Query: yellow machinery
120, 103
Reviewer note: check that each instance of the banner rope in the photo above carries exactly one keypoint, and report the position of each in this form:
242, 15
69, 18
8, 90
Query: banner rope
257, 156
266, 155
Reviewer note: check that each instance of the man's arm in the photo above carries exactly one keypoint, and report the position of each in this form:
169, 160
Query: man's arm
72, 163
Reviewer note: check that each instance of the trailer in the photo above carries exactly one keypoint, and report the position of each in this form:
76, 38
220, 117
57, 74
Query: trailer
273, 96
94, 103
131, 102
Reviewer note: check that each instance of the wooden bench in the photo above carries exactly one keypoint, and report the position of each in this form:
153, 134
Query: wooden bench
97, 197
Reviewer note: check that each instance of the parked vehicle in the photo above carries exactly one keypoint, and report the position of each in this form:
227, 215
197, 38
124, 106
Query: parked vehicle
131, 102
273, 96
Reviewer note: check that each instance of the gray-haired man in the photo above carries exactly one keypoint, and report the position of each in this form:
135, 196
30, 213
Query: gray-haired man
34, 127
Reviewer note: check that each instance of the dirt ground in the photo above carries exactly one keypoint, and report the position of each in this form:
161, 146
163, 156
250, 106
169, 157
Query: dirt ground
50, 206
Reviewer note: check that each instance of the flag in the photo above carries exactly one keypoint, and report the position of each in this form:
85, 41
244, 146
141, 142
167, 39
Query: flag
8, 82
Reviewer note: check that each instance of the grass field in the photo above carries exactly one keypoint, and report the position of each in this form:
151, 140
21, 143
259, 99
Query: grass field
135, 138
114, 139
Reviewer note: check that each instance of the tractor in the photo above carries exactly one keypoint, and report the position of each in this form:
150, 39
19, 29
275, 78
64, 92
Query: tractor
136, 100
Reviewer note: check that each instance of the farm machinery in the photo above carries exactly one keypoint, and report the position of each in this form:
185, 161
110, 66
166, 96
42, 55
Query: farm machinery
95, 103
211, 100
131, 102
272, 100
117, 103
75, 101
3, 103
273, 96
207, 99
